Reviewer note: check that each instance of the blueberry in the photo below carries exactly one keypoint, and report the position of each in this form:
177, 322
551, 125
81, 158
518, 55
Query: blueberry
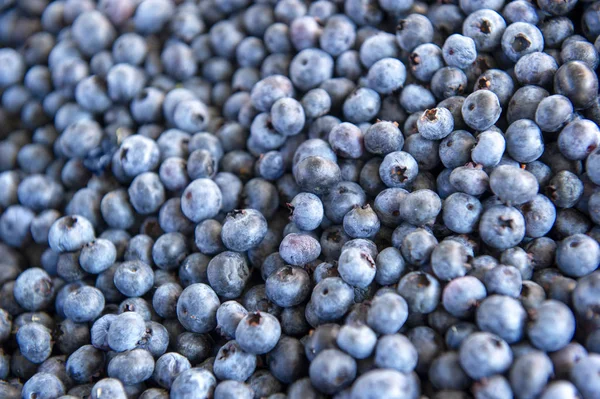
34, 289
383, 383
85, 364
555, 314
288, 286
43, 386
332, 370
70, 233
197, 307
578, 139
484, 354
481, 109
396, 352
233, 363
124, 332
201, 200
502, 227
84, 304
168, 367
195, 382
331, 298
578, 91
35, 342
131, 367
227, 274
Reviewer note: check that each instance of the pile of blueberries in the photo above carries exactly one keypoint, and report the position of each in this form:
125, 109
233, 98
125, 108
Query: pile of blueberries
271, 199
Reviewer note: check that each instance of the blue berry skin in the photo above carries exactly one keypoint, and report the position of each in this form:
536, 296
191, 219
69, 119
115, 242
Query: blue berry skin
201, 200
15, 225
536, 68
299, 249
316, 174
258, 333
553, 113
514, 186
356, 267
228, 274
396, 352
124, 332
539, 214
197, 308
99, 331
459, 51
421, 291
164, 300
462, 295
131, 367
578, 255
503, 280
565, 189
229, 315
332, 370
168, 367
455, 149
382, 138
35, 342
70, 233
530, 373
84, 304
134, 278
582, 375
310, 67
146, 193
398, 169
357, 340
194, 383
287, 116
559, 389
481, 109
412, 31
342, 197
233, 363
449, 260
43, 386
521, 38
34, 289
484, 354
85, 364
361, 222
415, 98
578, 91
445, 372
497, 81
384, 383
503, 316
502, 227
108, 386
307, 211
435, 124
346, 140
388, 313
524, 141
194, 347
361, 105
386, 75
233, 389
97, 256
288, 286
461, 212
552, 326
243, 229
331, 299
390, 266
